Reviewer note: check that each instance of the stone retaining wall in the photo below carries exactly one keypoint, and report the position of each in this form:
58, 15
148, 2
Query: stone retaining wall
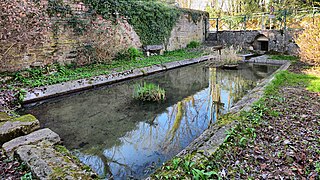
71, 38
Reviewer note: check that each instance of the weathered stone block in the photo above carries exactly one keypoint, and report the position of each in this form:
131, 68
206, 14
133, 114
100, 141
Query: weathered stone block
32, 138
17, 127
47, 162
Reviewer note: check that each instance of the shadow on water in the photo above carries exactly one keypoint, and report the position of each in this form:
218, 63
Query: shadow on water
122, 138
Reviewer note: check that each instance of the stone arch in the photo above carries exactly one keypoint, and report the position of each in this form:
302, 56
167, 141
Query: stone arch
261, 43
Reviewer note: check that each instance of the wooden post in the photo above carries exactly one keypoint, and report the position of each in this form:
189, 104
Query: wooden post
245, 22
217, 27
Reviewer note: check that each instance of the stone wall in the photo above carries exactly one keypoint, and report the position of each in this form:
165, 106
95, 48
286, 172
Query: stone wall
71, 38
187, 30
277, 40
68, 39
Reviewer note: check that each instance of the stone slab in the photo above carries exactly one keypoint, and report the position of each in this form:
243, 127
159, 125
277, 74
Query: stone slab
32, 138
153, 47
264, 59
47, 162
18, 127
45, 92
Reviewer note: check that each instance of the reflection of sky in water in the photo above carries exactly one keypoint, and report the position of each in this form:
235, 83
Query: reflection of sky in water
121, 138
151, 144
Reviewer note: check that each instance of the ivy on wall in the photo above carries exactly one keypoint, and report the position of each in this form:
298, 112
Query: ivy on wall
152, 20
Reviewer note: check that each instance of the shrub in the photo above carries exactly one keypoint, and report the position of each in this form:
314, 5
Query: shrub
129, 54
193, 44
148, 92
309, 43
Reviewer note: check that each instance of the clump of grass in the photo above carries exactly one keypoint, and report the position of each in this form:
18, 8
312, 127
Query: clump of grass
311, 82
149, 92
193, 44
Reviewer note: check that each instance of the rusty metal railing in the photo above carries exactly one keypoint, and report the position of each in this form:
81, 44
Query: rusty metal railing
279, 20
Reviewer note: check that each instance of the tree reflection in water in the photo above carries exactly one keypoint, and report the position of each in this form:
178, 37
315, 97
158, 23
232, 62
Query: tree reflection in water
124, 139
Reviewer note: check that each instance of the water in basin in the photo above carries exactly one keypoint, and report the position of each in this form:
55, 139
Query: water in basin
121, 138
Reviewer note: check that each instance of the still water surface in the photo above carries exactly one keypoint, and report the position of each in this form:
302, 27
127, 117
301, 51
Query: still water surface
121, 138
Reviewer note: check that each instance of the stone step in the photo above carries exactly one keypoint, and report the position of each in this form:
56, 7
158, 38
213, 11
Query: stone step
53, 162
11, 128
33, 138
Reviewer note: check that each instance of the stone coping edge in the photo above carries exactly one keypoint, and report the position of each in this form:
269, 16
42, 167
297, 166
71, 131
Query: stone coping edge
210, 140
50, 91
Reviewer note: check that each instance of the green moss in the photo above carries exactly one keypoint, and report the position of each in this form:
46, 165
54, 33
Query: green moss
69, 157
25, 118
58, 173
2, 123
4, 117
227, 119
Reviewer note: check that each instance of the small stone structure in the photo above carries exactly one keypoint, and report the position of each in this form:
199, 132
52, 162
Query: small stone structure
266, 40
151, 50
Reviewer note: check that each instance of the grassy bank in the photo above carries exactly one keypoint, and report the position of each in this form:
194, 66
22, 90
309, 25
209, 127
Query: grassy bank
13, 85
53, 74
269, 141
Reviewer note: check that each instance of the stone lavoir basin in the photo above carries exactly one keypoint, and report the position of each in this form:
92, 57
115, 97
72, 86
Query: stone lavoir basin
121, 138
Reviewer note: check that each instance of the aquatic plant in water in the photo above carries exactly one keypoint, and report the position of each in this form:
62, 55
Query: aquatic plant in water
148, 92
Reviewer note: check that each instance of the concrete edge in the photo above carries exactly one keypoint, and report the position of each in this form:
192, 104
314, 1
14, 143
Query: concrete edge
215, 134
55, 90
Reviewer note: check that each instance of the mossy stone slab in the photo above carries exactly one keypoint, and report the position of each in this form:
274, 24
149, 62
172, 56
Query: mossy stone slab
32, 138
46, 162
16, 127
